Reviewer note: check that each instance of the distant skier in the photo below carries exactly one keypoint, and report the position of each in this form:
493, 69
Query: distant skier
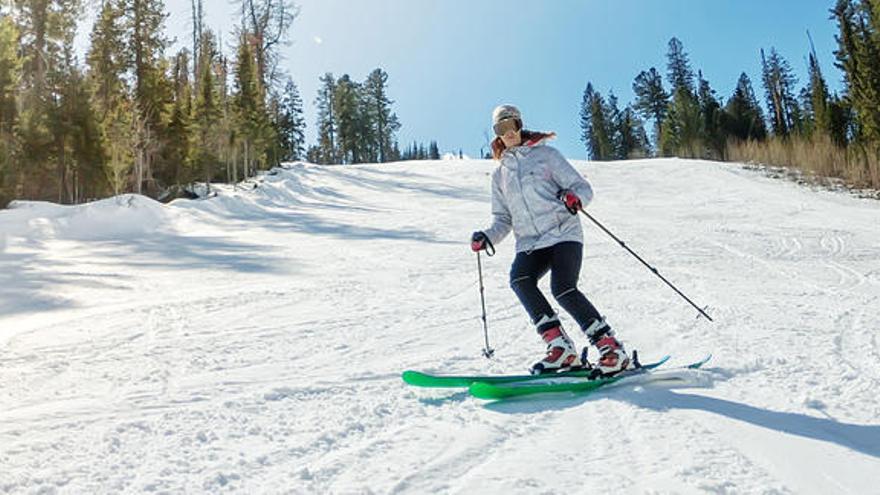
537, 194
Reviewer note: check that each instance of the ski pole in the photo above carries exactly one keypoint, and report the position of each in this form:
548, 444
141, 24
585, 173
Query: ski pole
487, 351
623, 244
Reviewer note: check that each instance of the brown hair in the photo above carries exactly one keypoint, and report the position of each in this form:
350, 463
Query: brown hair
529, 138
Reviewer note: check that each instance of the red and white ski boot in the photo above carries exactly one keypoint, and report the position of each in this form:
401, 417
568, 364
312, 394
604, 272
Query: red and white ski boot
612, 356
561, 353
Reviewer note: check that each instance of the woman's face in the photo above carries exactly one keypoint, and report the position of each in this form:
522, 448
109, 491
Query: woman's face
509, 132
512, 138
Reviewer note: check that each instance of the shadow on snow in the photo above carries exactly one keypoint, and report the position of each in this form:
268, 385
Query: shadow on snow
861, 438
29, 282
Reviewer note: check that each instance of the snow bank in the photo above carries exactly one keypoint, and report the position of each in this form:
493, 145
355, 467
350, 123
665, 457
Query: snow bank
127, 215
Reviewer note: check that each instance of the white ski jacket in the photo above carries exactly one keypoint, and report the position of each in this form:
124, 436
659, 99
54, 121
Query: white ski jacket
525, 189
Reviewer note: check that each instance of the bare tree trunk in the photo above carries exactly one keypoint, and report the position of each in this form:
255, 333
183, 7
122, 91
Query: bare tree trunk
198, 20
779, 111
138, 171
77, 194
62, 169
247, 159
269, 22
138, 153
234, 167
225, 161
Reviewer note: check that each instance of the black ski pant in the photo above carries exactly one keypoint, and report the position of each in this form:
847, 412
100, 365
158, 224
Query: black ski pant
563, 261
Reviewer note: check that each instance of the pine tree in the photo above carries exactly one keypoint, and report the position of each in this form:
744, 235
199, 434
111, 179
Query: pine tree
272, 138
106, 79
355, 122
327, 122
43, 26
347, 105
366, 131
817, 101
76, 146
710, 108
206, 112
178, 139
385, 121
841, 120
679, 72
248, 105
292, 124
106, 58
366, 118
586, 121
596, 127
742, 117
633, 140
652, 101
119, 145
670, 136
395, 155
613, 119
857, 56
313, 154
227, 128
682, 135
779, 81
10, 75
151, 92
418, 151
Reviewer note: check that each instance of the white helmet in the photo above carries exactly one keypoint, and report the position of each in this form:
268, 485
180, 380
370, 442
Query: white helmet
504, 112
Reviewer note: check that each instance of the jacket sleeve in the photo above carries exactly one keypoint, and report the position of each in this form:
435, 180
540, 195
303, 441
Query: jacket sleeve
501, 220
568, 178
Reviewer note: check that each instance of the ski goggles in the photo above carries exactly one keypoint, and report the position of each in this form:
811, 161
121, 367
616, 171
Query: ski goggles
506, 125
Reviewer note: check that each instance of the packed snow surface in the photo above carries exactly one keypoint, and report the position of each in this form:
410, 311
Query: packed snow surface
254, 341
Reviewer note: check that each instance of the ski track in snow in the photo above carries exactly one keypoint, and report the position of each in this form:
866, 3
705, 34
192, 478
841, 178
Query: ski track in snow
253, 342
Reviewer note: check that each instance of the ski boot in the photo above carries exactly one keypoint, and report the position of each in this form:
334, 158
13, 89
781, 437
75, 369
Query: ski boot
561, 353
612, 356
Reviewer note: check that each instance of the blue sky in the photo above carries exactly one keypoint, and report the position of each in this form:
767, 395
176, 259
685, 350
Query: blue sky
451, 61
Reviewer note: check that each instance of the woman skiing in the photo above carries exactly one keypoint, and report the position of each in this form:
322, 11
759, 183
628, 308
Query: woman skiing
537, 194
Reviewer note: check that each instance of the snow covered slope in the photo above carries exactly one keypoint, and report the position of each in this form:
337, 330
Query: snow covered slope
254, 341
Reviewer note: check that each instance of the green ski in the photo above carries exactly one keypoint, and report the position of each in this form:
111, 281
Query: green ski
420, 379
495, 391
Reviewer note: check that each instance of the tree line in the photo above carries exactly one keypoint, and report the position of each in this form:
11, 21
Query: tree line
830, 134
131, 119
356, 124
688, 119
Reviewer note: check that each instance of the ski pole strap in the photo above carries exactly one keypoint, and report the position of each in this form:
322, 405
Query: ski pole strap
490, 249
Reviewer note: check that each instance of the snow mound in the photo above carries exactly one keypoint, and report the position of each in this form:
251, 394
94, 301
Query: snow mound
123, 216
